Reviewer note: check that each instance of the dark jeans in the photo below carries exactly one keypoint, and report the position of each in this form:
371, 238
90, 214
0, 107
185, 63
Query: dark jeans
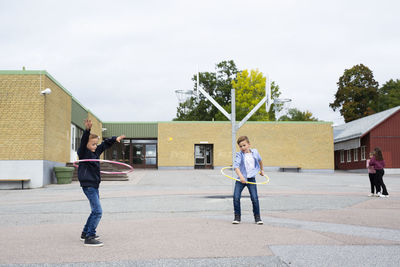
373, 182
380, 183
94, 218
253, 195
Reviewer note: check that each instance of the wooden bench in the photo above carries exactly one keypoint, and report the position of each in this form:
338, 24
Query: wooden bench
22, 180
289, 168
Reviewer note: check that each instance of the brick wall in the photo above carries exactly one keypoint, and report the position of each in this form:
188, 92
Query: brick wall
308, 145
57, 116
21, 117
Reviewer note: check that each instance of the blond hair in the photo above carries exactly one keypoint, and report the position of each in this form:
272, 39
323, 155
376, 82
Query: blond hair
93, 136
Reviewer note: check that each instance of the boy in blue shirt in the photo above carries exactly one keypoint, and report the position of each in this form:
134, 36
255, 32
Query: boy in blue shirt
247, 164
89, 178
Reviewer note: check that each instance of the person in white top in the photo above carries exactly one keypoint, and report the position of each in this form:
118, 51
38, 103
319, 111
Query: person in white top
247, 165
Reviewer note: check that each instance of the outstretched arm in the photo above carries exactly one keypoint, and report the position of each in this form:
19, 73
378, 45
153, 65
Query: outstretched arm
107, 143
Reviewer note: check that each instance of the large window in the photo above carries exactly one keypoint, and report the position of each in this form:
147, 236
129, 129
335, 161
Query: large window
140, 153
363, 153
349, 155
341, 156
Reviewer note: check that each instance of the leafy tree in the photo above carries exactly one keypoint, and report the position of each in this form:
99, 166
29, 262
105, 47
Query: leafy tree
250, 89
296, 115
218, 85
356, 94
389, 95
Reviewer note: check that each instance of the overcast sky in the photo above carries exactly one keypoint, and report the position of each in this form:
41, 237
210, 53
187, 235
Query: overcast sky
123, 59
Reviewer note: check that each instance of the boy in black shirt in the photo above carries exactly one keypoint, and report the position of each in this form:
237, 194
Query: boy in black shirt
89, 178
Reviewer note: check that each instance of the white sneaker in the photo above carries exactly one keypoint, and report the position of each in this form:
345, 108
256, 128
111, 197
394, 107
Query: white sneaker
371, 195
382, 196
378, 194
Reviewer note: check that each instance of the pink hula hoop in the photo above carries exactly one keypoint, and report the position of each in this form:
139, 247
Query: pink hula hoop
130, 169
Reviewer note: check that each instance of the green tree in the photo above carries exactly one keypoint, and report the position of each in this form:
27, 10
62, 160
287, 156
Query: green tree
218, 85
356, 94
296, 115
388, 95
250, 89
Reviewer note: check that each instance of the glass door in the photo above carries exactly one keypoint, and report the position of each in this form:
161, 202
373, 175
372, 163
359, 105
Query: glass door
138, 159
126, 152
203, 156
151, 155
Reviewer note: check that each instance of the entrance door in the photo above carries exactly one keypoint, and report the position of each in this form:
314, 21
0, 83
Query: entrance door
73, 155
138, 153
203, 156
151, 155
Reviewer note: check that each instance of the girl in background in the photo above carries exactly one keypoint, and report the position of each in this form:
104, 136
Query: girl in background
372, 177
378, 163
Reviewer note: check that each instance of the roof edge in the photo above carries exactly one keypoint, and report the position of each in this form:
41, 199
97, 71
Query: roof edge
34, 72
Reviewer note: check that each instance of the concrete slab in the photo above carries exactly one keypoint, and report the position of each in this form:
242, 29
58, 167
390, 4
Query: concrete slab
183, 218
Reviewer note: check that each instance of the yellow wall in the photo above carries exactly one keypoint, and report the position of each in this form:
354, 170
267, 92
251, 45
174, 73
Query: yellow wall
96, 126
176, 142
57, 133
308, 145
21, 117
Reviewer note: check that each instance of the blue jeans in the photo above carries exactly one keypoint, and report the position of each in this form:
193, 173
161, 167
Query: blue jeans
253, 195
94, 218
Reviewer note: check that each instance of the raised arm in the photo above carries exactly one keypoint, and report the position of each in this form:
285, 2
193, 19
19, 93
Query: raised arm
85, 137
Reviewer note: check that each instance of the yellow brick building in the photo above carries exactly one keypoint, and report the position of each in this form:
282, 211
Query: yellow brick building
35, 128
40, 131
308, 145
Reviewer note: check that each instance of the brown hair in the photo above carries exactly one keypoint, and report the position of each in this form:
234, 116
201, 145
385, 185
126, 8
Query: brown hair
378, 153
93, 136
243, 138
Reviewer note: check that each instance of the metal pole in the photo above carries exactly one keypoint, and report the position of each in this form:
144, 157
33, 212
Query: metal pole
233, 122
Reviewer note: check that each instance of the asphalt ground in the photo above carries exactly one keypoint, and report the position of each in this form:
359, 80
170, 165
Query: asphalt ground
183, 218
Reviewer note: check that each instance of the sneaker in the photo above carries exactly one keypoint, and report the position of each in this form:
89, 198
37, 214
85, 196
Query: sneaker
258, 220
384, 195
236, 220
92, 242
371, 195
83, 236
378, 194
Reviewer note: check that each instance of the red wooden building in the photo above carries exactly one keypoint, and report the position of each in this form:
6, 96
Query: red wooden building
354, 140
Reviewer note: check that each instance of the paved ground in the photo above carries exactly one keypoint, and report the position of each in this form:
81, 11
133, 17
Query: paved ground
183, 218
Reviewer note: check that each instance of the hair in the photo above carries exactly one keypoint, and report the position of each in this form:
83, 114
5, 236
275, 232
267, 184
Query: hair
378, 153
243, 138
93, 136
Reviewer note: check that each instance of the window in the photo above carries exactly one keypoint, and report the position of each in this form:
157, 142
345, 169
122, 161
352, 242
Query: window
341, 156
363, 153
356, 154
349, 155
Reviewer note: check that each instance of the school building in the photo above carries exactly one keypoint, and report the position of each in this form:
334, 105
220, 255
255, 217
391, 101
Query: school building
40, 130
354, 140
